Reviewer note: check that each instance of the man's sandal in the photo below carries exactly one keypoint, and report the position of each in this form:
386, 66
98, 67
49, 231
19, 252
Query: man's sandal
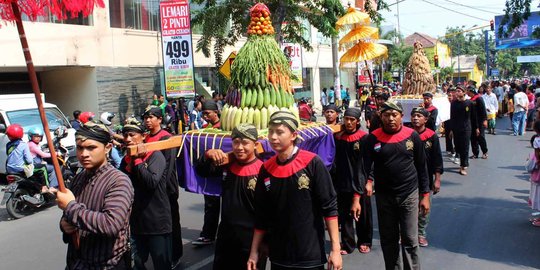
364, 248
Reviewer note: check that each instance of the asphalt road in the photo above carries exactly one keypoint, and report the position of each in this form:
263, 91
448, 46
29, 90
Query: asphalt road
478, 222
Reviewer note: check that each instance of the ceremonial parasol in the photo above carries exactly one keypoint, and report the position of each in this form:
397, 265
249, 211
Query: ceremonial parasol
351, 17
10, 11
360, 33
359, 42
363, 51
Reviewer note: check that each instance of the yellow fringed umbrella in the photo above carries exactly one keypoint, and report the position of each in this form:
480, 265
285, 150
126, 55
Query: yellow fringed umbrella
359, 33
363, 51
351, 17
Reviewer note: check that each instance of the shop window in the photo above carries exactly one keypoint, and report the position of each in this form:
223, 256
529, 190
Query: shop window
49, 18
134, 14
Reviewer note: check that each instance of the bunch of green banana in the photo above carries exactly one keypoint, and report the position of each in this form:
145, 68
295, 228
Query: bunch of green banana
232, 116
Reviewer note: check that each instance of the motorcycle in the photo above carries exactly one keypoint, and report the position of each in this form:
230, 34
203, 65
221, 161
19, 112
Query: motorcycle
23, 194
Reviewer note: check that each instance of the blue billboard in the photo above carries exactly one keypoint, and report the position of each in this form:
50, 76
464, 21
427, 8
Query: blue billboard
521, 37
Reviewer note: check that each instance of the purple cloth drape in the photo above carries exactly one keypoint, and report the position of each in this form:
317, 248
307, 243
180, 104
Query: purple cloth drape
319, 140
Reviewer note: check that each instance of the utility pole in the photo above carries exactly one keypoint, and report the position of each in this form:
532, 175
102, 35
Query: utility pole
458, 66
486, 46
335, 64
398, 25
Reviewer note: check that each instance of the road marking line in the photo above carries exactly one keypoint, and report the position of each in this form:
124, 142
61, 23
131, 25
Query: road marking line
200, 264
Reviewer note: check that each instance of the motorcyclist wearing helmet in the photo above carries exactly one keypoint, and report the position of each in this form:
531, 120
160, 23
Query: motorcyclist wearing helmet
35, 135
114, 155
86, 117
18, 152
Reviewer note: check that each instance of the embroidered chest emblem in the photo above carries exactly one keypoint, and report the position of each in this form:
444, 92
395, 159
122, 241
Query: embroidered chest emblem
267, 183
410, 145
377, 147
356, 146
303, 182
466, 109
428, 144
251, 184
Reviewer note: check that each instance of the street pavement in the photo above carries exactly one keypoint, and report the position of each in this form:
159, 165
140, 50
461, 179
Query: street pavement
479, 221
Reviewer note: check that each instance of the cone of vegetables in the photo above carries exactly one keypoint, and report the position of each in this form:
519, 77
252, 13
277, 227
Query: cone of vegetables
260, 77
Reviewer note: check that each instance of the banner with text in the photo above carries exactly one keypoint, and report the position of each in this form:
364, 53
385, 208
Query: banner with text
177, 48
293, 52
364, 72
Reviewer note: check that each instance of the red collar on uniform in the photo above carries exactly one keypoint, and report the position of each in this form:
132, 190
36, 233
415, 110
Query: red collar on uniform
158, 136
249, 169
426, 134
298, 163
357, 135
475, 97
431, 108
384, 137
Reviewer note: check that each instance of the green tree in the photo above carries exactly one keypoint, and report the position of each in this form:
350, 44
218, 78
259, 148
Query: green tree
399, 53
507, 63
466, 43
224, 22
446, 73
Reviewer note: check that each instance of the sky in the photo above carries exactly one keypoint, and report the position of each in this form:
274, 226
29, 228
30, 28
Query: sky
432, 17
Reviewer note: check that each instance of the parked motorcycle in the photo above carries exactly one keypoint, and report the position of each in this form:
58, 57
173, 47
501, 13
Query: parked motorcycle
23, 194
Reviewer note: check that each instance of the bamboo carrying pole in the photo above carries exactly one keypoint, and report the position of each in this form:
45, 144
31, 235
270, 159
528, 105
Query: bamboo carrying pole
37, 94
175, 141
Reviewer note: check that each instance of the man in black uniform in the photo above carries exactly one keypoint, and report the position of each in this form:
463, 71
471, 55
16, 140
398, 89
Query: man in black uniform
331, 114
433, 111
294, 192
448, 137
419, 118
238, 197
349, 182
210, 113
373, 118
151, 221
395, 156
478, 127
461, 116
153, 119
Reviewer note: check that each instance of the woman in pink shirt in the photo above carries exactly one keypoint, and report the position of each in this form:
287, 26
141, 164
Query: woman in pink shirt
531, 109
35, 135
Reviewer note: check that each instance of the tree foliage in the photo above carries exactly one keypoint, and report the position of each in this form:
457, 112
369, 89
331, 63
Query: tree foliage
466, 43
224, 22
446, 73
399, 54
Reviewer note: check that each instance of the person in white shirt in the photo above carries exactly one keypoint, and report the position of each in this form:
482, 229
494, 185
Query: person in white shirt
324, 98
521, 104
492, 106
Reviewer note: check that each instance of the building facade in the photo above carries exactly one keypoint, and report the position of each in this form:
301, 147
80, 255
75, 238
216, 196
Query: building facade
112, 60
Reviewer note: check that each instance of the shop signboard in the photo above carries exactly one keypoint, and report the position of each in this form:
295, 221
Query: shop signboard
177, 48
293, 52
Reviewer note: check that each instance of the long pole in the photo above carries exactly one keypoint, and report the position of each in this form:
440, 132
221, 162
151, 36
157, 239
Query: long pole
37, 95
486, 46
335, 66
369, 74
458, 66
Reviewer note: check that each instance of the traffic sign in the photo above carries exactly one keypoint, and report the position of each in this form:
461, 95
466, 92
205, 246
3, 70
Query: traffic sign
225, 69
494, 72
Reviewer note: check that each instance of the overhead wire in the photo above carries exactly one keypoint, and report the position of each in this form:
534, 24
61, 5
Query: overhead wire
455, 11
471, 7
